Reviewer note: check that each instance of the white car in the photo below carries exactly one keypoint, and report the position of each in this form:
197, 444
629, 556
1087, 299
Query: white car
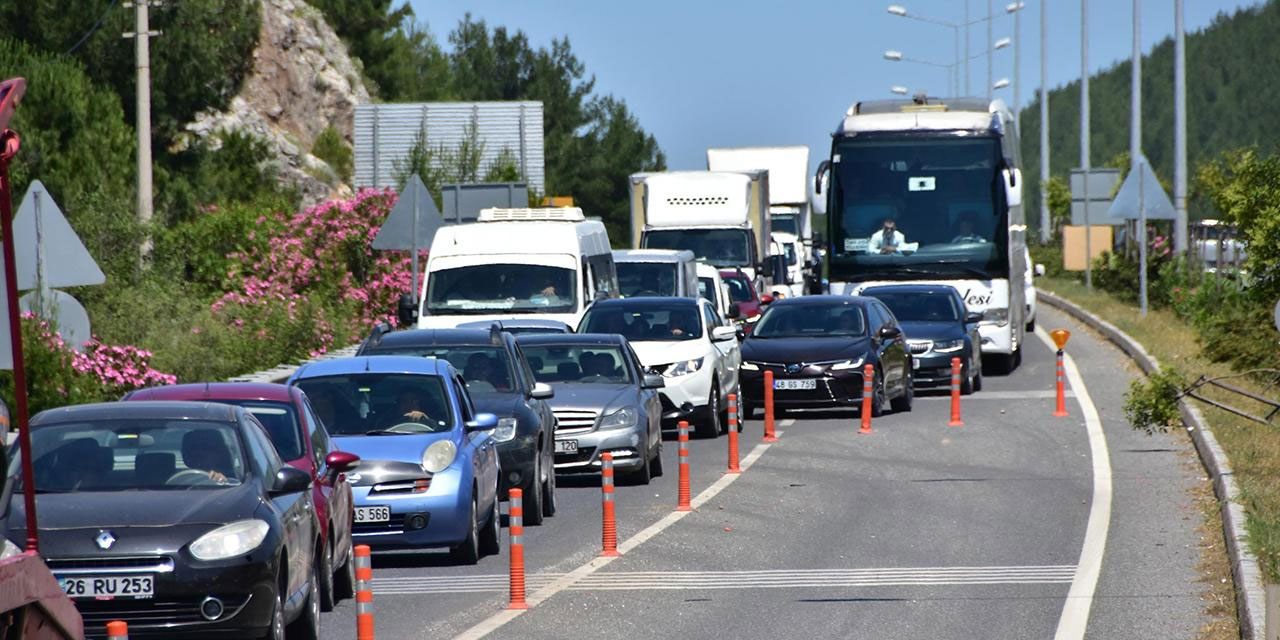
1033, 271
685, 341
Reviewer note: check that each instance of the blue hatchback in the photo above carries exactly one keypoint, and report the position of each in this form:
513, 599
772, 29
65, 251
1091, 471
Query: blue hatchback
429, 470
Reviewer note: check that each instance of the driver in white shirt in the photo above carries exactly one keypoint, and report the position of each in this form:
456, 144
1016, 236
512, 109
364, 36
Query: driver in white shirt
887, 240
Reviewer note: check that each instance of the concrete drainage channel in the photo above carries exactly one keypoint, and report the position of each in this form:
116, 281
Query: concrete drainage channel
282, 372
1250, 595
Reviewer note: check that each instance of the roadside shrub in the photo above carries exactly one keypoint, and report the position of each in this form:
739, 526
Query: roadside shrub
333, 149
1050, 255
1151, 404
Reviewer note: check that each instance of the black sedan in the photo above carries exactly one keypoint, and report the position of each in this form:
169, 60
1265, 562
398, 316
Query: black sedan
177, 517
938, 329
817, 346
500, 383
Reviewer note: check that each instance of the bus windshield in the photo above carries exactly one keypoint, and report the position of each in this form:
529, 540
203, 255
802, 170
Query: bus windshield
909, 206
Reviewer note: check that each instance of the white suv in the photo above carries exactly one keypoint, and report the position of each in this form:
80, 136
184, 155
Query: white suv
685, 341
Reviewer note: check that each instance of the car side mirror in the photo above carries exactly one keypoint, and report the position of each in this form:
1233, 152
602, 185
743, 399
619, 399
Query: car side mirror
734, 311
972, 317
1039, 270
779, 268
542, 391
600, 295
766, 268
766, 300
341, 461
890, 332
483, 422
653, 381
724, 334
290, 480
406, 310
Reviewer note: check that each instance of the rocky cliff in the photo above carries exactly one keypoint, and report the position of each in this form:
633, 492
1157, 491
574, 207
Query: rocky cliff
302, 82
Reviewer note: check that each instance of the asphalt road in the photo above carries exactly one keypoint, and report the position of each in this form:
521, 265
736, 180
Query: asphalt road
917, 530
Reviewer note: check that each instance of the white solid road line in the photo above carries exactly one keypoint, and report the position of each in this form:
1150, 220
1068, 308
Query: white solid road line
496, 621
1075, 611
1035, 394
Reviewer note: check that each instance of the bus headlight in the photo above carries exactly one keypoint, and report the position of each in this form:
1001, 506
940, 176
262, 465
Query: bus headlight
996, 315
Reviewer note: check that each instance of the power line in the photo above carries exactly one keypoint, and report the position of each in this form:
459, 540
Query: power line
94, 29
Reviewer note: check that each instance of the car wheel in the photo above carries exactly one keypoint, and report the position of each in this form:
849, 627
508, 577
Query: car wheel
966, 383
710, 428
977, 377
490, 544
344, 583
877, 395
307, 626
468, 551
533, 497
1031, 326
903, 403
655, 467
641, 474
325, 576
276, 631
549, 492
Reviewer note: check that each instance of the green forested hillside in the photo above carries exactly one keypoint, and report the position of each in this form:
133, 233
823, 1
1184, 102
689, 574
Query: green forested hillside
1233, 100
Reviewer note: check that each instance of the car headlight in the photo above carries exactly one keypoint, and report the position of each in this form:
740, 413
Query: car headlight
948, 346
231, 540
506, 430
750, 366
9, 549
996, 315
439, 456
683, 368
623, 418
849, 364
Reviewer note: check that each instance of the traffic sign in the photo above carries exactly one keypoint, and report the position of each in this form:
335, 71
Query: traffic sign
413, 222
1141, 196
48, 251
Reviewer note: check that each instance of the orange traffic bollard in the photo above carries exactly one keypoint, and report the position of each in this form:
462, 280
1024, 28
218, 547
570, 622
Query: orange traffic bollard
733, 434
769, 435
609, 531
515, 524
868, 375
117, 630
684, 503
364, 593
955, 394
1060, 337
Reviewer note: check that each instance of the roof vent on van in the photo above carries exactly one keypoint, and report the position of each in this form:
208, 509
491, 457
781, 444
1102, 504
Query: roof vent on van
549, 214
678, 201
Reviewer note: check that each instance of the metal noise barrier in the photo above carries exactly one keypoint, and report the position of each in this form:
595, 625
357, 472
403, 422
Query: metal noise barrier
733, 434
117, 630
684, 500
609, 528
955, 394
868, 376
364, 593
769, 435
1061, 409
516, 526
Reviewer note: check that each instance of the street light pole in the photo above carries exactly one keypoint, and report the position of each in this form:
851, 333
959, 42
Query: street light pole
1045, 222
1179, 131
966, 47
1084, 138
1016, 8
1135, 154
990, 52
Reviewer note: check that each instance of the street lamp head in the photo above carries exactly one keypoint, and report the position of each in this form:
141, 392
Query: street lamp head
1001, 83
895, 56
899, 89
1003, 42
897, 10
1013, 7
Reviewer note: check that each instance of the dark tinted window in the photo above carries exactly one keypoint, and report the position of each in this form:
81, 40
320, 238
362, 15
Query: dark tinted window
318, 434
261, 450
281, 423
739, 289
380, 403
646, 279
920, 307
485, 368
647, 323
811, 320
602, 364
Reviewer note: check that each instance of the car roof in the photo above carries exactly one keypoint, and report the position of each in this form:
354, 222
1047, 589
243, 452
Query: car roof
646, 301
375, 364
154, 410
428, 337
515, 323
571, 339
215, 391
825, 299
671, 256
910, 288
733, 273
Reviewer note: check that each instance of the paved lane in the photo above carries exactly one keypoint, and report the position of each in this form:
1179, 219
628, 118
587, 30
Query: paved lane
914, 531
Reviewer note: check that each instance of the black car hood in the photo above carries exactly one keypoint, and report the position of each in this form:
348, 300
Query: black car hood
125, 509
818, 349
932, 330
590, 396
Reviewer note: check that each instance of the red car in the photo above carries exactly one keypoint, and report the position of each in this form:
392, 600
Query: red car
304, 444
742, 292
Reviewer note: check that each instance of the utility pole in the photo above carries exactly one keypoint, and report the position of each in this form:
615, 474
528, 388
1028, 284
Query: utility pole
1135, 154
142, 35
991, 50
1084, 139
967, 90
1045, 221
1179, 131
1017, 64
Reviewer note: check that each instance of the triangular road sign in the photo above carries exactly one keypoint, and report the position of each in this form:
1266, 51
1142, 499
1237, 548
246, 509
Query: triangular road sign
66, 262
1142, 189
398, 230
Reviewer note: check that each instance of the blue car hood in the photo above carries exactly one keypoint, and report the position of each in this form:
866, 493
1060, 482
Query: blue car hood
932, 330
402, 448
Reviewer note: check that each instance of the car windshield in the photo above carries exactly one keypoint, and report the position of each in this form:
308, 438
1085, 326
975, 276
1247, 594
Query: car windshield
485, 369
790, 249
134, 454
380, 403
707, 289
646, 279
646, 324
918, 307
739, 289
486, 288
811, 321
785, 223
595, 363
280, 421
720, 247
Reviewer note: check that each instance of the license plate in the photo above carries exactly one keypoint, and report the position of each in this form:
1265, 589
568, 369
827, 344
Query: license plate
566, 446
134, 587
373, 514
807, 384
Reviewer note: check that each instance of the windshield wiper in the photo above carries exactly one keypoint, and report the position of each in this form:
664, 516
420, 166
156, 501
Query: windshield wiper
388, 432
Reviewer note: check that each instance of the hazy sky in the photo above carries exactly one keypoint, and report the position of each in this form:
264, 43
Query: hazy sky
701, 74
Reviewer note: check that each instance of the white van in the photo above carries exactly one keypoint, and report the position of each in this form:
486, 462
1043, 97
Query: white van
656, 272
513, 263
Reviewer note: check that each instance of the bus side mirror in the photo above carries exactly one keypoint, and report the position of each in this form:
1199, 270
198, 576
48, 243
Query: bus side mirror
1013, 187
406, 311
820, 176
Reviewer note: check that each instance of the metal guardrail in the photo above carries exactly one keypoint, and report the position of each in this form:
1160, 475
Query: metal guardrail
280, 373
1203, 381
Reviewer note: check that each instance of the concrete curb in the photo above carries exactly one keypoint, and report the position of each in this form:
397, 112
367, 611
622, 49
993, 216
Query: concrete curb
1250, 594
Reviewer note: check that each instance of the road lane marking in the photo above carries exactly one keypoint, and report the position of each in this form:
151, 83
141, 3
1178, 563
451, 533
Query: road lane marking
1075, 611
563, 582
757, 579
1035, 394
